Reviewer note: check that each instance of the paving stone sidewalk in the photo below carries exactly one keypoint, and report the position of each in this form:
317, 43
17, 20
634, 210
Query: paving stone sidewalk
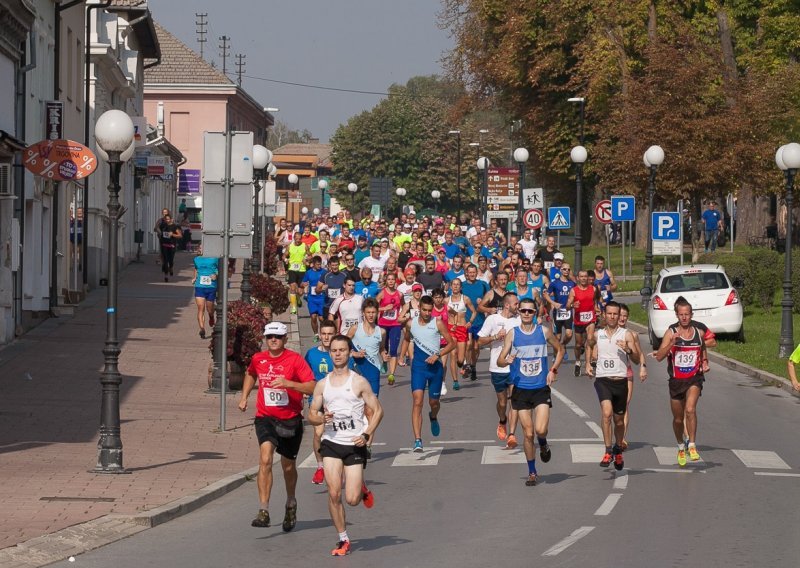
50, 415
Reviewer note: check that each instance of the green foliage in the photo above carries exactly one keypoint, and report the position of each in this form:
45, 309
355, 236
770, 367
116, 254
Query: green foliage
795, 279
759, 270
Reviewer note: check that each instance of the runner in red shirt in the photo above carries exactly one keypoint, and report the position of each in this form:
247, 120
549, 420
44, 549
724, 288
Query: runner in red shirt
283, 378
581, 298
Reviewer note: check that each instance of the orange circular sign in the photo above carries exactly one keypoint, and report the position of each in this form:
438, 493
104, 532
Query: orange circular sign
60, 160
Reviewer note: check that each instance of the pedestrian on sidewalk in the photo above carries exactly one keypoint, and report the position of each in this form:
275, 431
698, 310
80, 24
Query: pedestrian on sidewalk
170, 236
206, 270
712, 222
158, 229
283, 378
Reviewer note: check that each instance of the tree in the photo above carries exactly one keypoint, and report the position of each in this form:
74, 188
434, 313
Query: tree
280, 134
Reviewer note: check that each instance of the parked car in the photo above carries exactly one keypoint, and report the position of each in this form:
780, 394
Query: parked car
715, 301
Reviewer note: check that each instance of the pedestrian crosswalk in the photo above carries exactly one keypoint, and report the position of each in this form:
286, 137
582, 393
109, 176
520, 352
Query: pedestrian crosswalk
583, 453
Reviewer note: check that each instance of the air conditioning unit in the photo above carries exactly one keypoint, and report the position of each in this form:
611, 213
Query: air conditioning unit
5, 180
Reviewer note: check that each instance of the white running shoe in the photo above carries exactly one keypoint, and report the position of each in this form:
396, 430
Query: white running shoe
444, 389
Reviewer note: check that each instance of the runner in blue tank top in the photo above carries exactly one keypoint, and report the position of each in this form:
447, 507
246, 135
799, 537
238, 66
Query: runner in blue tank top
426, 332
368, 345
525, 350
604, 278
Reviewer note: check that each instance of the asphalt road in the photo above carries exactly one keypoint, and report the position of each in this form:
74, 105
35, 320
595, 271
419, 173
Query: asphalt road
461, 504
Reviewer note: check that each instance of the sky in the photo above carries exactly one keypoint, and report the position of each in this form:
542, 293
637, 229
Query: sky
363, 45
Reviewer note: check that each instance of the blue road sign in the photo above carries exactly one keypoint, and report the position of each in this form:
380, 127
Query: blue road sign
623, 208
558, 218
666, 226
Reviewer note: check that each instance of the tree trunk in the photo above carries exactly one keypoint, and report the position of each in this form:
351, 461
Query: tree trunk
752, 215
598, 228
730, 74
652, 22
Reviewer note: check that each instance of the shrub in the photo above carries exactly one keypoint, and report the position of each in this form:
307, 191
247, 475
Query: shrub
795, 278
759, 270
245, 332
271, 257
267, 290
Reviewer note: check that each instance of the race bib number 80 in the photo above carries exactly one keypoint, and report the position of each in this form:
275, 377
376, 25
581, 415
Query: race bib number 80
276, 397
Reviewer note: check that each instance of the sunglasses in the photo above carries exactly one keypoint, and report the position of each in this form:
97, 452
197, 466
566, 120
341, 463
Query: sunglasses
274, 336
527, 311
349, 258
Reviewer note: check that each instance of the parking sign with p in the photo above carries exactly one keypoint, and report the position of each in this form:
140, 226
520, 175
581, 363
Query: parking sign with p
666, 226
623, 208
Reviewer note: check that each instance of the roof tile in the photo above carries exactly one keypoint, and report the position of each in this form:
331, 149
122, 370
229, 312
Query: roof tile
179, 64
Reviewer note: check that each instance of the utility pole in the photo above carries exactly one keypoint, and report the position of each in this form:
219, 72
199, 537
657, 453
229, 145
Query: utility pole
224, 46
240, 64
201, 22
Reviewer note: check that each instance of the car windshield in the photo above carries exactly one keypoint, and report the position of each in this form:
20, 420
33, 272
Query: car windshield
694, 282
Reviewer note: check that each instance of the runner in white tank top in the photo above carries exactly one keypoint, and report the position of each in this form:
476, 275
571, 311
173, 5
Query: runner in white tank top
347, 422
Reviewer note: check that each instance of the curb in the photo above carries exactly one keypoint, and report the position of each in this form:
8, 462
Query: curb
765, 377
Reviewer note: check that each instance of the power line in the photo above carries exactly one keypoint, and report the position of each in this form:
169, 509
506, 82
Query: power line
323, 88
225, 46
201, 31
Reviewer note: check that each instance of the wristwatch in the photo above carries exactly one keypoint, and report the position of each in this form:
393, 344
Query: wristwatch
365, 436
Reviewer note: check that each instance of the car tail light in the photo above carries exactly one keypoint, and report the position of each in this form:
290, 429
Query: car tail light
658, 303
733, 298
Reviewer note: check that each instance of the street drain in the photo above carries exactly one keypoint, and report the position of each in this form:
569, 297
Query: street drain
90, 499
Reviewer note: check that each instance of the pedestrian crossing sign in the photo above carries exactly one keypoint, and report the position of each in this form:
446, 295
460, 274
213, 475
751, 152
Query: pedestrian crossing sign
558, 218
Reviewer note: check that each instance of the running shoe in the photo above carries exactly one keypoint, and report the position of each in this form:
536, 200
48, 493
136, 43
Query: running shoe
607, 459
166, 279
502, 433
367, 497
686, 443
544, 453
294, 310
319, 476
170, 272
532, 479
693, 455
299, 302
577, 368
417, 446
435, 428
465, 369
566, 355
456, 386
290, 518
342, 548
682, 457
390, 380
262, 520
202, 334
511, 442
473, 373
444, 390
619, 461
211, 322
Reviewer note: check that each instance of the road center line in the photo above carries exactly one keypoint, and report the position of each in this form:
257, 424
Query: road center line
776, 474
621, 482
568, 541
571, 405
608, 505
665, 470
596, 429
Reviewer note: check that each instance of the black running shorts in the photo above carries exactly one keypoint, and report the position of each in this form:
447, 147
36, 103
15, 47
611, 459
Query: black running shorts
271, 430
679, 387
615, 390
350, 455
295, 277
528, 399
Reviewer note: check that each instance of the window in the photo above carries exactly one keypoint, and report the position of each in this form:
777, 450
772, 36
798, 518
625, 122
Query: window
694, 282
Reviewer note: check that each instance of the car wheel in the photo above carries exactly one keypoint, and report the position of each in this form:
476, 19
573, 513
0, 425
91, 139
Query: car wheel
655, 342
739, 336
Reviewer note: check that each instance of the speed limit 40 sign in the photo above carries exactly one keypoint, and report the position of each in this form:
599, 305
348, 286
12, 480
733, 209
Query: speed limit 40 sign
533, 218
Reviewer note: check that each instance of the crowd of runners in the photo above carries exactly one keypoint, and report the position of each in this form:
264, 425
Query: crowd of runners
430, 294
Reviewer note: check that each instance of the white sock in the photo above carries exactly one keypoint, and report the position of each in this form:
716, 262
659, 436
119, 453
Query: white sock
692, 445
681, 447
343, 536
319, 465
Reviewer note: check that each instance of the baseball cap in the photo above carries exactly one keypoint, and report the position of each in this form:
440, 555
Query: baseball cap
558, 256
362, 237
417, 287
275, 328
410, 270
407, 226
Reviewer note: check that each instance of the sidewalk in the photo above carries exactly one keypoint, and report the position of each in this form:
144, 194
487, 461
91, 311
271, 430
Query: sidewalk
50, 412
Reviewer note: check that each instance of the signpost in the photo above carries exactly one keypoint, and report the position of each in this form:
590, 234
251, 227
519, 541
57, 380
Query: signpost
502, 192
666, 232
602, 211
623, 209
558, 218
533, 219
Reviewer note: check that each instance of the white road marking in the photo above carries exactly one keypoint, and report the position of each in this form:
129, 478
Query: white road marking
776, 474
407, 458
621, 481
761, 459
436, 442
493, 455
664, 470
567, 542
571, 405
594, 427
608, 505
587, 453
668, 455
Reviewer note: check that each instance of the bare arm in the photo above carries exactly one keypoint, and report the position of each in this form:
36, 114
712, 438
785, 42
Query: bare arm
559, 350
316, 415
612, 285
666, 344
502, 359
247, 386
485, 300
451, 343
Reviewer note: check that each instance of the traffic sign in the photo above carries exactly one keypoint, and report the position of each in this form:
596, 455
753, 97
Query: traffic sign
666, 226
533, 219
623, 208
502, 185
602, 211
533, 198
558, 218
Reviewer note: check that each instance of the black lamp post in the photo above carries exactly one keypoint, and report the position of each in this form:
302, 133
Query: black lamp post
483, 167
261, 159
352, 188
436, 194
323, 185
457, 134
114, 134
788, 159
578, 156
521, 156
653, 158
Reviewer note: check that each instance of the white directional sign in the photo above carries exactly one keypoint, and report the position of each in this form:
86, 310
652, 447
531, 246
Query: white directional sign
533, 219
533, 198
558, 218
623, 208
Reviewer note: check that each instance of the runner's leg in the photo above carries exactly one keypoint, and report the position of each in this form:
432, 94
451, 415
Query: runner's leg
416, 412
201, 312
678, 409
692, 396
333, 479
264, 479
353, 483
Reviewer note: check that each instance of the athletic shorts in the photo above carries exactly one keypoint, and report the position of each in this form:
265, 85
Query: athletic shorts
459, 333
267, 431
614, 390
393, 335
679, 387
369, 372
474, 330
316, 306
528, 399
295, 277
350, 455
563, 324
208, 294
501, 381
581, 329
430, 376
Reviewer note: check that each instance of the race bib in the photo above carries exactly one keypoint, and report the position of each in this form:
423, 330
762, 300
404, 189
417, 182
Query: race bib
295, 266
206, 280
343, 424
685, 358
333, 293
611, 365
390, 315
585, 317
166, 235
348, 323
414, 313
428, 291
530, 367
493, 263
548, 265
563, 315
276, 397
313, 290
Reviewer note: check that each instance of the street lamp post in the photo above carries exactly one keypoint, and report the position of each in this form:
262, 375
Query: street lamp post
436, 194
352, 188
483, 167
401, 193
293, 179
323, 185
582, 102
578, 156
457, 134
261, 159
788, 159
521, 156
653, 158
114, 134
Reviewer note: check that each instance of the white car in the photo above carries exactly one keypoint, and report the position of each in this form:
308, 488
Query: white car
715, 302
